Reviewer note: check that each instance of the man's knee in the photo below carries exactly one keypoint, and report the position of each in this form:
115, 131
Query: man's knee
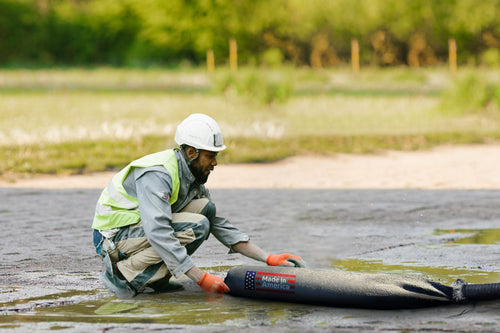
209, 211
202, 229
200, 232
190, 227
201, 206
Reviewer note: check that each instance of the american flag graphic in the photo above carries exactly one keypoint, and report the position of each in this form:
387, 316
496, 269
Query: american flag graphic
270, 282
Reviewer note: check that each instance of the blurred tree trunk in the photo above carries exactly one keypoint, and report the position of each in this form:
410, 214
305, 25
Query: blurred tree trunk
289, 47
43, 6
322, 53
419, 52
490, 40
385, 52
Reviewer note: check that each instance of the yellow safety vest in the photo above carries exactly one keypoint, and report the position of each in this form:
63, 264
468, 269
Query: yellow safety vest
116, 208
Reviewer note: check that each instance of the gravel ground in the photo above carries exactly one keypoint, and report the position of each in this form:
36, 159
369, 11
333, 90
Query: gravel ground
49, 270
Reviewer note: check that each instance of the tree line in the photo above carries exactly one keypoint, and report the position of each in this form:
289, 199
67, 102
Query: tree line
316, 33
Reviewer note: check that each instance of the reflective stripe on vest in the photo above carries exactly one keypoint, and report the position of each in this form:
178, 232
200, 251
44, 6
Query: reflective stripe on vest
116, 208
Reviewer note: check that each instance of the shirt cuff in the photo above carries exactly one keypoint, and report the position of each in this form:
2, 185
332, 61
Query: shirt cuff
182, 268
243, 238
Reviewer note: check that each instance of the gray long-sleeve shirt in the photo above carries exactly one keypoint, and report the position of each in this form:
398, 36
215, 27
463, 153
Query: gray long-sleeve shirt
153, 186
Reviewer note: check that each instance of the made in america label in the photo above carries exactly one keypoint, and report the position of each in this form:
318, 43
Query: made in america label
270, 282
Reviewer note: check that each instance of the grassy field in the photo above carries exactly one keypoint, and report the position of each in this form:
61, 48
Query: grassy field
69, 121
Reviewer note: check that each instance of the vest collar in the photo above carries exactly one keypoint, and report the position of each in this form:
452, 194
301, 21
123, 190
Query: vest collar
185, 173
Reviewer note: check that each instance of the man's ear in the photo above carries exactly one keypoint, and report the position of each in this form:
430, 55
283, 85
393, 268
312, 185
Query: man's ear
190, 152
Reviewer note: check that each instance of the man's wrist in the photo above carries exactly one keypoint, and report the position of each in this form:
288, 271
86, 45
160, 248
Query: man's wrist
195, 274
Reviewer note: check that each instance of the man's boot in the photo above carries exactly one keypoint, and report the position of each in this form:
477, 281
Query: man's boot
117, 286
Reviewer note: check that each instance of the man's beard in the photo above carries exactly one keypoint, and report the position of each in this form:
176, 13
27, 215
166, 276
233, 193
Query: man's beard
201, 178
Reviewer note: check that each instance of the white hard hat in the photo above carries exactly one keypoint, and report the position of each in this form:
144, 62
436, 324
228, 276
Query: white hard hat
201, 132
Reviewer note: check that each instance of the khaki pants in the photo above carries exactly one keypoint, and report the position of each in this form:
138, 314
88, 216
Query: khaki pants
136, 259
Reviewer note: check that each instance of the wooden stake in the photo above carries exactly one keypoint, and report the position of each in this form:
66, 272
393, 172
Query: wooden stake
210, 61
452, 51
355, 55
233, 54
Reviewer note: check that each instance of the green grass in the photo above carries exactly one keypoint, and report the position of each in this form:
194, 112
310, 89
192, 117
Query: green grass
84, 120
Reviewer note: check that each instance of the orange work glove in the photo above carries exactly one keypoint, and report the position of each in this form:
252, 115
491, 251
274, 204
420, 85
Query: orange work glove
281, 259
213, 284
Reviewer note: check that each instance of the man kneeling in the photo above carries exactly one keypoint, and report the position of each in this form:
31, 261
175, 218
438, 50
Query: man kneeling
156, 212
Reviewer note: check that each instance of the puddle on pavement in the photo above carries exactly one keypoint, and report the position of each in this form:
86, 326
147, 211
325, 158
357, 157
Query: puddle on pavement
180, 308
441, 274
187, 307
471, 236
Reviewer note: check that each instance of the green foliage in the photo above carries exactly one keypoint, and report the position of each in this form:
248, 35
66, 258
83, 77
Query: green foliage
100, 32
20, 32
264, 87
272, 57
491, 57
145, 32
471, 93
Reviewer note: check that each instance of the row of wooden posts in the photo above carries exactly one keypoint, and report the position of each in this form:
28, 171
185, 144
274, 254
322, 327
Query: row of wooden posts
233, 56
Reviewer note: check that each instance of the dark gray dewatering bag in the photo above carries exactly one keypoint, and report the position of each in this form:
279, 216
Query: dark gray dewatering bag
349, 289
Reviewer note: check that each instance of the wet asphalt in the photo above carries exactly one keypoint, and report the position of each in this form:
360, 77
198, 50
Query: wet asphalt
49, 270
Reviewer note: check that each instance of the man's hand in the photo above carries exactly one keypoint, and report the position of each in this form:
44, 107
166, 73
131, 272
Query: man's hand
284, 259
253, 251
213, 284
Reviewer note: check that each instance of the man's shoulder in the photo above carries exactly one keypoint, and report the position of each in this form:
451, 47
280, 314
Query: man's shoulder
156, 171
